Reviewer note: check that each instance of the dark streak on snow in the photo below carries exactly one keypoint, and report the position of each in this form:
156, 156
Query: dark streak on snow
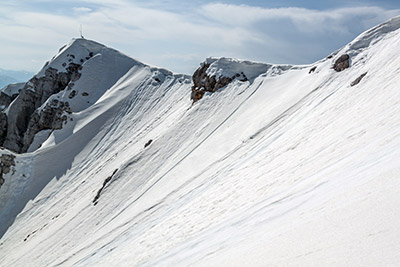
358, 80
148, 143
106, 181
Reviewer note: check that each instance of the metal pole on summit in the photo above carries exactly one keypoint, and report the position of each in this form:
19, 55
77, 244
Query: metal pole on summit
80, 31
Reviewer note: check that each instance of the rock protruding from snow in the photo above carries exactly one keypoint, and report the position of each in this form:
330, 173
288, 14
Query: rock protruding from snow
6, 162
215, 74
51, 117
358, 80
9, 93
3, 127
342, 63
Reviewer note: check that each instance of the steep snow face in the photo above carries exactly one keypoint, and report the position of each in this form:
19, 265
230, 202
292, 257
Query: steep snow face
290, 167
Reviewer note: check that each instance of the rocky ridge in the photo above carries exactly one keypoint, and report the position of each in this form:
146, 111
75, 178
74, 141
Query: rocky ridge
216, 73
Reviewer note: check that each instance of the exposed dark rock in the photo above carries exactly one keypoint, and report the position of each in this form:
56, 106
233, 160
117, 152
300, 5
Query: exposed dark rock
312, 69
203, 83
85, 94
51, 117
23, 115
6, 162
148, 143
3, 127
5, 100
329, 57
358, 80
72, 94
243, 77
106, 181
342, 63
74, 69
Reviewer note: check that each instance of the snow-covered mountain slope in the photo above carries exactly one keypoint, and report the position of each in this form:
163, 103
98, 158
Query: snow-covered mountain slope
281, 166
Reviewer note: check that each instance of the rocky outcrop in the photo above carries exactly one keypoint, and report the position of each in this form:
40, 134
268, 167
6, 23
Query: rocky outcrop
6, 163
358, 80
202, 82
342, 63
24, 121
148, 143
3, 127
5, 100
9, 93
51, 117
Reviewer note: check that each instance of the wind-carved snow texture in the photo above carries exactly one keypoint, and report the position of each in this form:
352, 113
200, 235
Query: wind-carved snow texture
286, 168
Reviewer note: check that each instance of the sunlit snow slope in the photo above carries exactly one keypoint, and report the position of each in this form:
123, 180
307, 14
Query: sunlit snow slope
286, 168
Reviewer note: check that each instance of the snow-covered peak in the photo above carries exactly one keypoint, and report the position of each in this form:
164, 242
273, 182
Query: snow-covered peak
79, 51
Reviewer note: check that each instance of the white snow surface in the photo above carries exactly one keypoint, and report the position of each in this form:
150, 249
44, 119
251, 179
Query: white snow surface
286, 169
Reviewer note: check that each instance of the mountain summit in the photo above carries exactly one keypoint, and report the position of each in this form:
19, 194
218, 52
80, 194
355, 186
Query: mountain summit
109, 161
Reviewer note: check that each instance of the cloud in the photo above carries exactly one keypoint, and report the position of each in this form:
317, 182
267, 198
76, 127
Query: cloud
179, 39
82, 9
308, 20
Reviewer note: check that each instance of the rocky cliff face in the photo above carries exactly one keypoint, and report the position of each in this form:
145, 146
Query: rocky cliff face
216, 73
3, 127
24, 120
6, 163
5, 100
203, 82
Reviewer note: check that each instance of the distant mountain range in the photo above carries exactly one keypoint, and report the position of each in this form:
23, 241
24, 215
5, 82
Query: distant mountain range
13, 76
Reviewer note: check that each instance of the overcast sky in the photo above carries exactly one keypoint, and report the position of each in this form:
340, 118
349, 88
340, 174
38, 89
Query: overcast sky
178, 35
